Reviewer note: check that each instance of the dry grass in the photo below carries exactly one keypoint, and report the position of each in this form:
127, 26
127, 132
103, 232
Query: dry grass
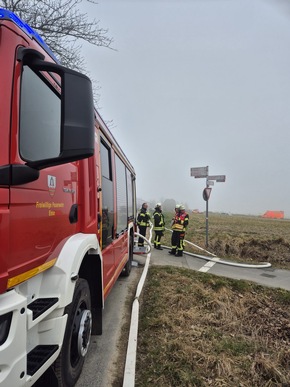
201, 330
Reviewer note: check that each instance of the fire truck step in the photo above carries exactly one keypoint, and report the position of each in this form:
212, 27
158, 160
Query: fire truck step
38, 356
40, 305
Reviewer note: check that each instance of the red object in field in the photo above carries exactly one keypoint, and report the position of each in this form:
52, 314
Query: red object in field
274, 214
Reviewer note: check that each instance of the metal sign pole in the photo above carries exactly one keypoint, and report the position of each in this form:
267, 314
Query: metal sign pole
206, 195
206, 224
203, 172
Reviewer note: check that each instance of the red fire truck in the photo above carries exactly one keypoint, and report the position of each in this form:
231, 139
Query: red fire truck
67, 210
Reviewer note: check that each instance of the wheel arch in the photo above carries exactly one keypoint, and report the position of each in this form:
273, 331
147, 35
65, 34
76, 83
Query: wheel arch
81, 257
91, 270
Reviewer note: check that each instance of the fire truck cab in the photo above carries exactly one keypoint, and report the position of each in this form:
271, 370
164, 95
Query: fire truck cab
66, 211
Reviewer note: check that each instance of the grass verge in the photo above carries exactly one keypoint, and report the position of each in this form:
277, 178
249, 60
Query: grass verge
201, 330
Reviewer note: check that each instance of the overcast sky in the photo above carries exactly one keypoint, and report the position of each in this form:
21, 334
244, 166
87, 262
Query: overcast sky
199, 83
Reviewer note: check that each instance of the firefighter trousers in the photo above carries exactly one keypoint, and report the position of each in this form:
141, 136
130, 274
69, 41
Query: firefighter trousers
177, 239
157, 239
142, 231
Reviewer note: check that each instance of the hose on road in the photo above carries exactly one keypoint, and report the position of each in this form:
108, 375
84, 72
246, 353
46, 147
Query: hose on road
229, 263
130, 364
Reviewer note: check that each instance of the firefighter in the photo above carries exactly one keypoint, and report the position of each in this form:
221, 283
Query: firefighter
179, 225
174, 235
143, 221
159, 226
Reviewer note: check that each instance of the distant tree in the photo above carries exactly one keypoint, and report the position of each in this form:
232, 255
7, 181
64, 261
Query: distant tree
62, 25
151, 204
168, 205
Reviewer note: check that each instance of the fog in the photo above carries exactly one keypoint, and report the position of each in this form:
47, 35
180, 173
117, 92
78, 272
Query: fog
199, 83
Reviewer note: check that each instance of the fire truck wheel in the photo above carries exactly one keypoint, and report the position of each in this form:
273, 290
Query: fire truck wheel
127, 268
68, 365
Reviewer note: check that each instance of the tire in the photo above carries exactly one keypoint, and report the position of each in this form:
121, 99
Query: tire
68, 366
127, 268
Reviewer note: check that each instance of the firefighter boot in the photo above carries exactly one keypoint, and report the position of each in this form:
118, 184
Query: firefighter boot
179, 253
159, 247
172, 252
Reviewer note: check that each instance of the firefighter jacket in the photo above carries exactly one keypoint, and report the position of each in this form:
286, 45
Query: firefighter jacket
159, 224
143, 218
180, 221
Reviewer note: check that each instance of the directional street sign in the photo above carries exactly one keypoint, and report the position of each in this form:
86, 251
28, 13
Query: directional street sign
218, 178
199, 172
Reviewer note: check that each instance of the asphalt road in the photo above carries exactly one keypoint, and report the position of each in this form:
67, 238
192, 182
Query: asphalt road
269, 276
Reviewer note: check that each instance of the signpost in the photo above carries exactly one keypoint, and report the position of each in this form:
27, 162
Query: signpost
203, 172
199, 172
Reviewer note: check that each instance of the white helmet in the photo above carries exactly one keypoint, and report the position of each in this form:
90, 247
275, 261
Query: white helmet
158, 205
181, 207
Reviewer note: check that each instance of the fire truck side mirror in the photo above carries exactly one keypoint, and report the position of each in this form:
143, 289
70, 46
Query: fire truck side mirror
76, 132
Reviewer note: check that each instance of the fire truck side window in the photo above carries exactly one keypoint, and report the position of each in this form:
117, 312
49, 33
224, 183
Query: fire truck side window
122, 210
130, 195
40, 117
107, 195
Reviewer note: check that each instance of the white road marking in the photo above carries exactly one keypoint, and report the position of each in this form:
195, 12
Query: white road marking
209, 265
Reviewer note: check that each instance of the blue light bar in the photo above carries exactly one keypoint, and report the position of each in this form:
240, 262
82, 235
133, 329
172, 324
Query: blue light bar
8, 15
